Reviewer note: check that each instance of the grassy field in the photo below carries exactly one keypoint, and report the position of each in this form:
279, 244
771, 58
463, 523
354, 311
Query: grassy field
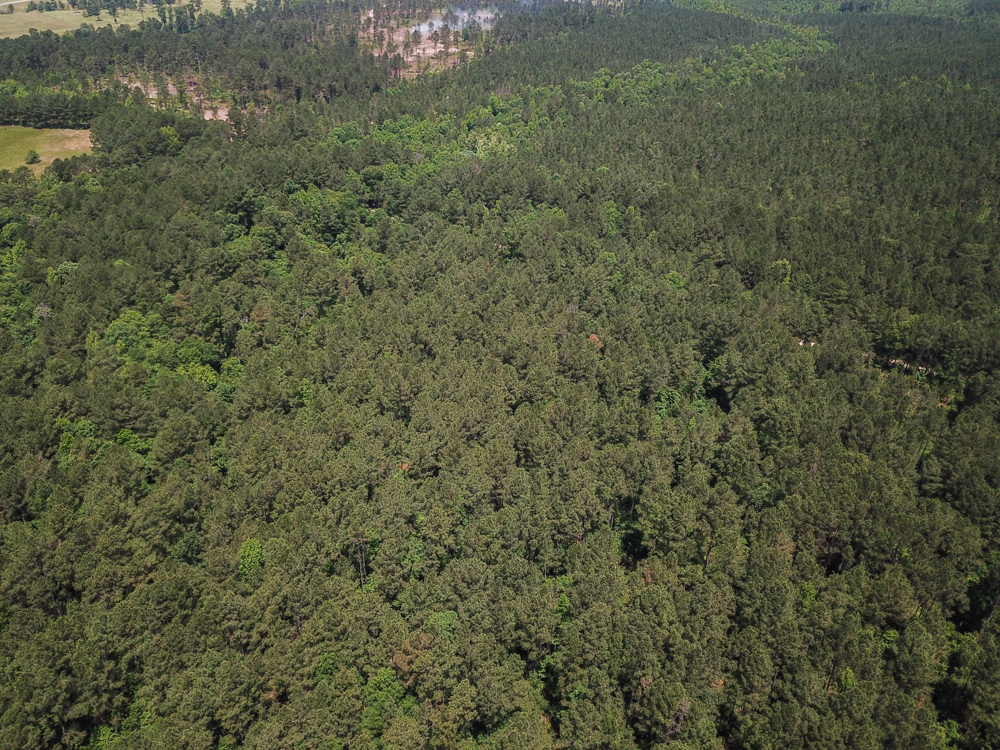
60, 21
15, 142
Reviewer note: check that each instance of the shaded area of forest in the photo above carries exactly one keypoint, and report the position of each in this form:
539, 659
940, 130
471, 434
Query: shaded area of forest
633, 386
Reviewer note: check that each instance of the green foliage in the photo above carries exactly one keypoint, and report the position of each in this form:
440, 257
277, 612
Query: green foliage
134, 334
251, 558
383, 695
16, 309
330, 214
612, 218
847, 681
328, 667
173, 141
133, 442
632, 386
189, 547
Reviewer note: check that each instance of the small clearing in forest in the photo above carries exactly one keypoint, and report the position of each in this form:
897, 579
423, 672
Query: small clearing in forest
433, 43
49, 144
20, 21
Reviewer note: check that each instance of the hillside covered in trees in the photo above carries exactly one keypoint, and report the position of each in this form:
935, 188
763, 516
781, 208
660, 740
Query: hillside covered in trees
633, 385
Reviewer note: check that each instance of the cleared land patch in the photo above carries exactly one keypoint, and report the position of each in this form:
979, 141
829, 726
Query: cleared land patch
15, 142
60, 21
428, 42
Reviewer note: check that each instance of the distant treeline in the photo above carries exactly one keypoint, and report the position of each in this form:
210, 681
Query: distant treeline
310, 51
54, 109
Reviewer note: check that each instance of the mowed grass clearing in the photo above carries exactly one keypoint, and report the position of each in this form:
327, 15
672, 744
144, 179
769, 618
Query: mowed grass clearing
15, 142
60, 21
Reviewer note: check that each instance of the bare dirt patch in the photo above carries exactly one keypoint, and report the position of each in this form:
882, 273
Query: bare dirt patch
196, 96
425, 44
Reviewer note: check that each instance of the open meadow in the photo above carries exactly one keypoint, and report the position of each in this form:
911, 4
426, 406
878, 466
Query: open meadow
20, 21
15, 142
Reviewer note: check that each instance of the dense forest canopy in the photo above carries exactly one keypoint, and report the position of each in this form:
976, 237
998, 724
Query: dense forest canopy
634, 384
